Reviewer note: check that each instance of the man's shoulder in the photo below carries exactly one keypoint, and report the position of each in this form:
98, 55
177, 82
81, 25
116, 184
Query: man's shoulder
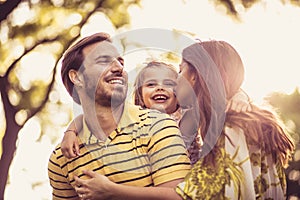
146, 111
152, 115
56, 153
135, 112
144, 117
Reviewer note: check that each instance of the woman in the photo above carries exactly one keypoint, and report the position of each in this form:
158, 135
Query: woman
249, 157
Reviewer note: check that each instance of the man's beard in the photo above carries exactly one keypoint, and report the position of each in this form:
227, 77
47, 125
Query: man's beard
105, 98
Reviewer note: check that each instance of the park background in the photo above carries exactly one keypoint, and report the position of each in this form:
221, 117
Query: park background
35, 108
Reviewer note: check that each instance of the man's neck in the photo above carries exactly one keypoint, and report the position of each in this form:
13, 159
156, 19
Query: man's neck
102, 120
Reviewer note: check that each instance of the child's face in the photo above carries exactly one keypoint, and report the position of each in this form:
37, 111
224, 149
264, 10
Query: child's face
158, 89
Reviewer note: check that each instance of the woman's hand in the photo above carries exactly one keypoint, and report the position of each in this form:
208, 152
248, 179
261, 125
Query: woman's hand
240, 102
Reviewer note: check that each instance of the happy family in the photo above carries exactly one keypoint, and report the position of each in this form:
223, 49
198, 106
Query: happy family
187, 134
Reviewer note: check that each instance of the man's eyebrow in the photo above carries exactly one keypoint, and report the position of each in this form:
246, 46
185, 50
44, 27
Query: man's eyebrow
103, 56
108, 56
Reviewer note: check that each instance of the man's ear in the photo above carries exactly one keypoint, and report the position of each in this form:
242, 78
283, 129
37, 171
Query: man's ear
75, 77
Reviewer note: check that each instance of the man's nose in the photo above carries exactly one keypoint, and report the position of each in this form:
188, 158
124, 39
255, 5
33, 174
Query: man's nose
117, 66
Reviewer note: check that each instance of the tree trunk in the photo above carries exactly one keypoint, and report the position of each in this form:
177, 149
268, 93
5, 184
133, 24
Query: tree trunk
10, 135
9, 148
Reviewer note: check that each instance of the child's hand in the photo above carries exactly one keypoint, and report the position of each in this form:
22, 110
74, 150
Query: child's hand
240, 102
70, 144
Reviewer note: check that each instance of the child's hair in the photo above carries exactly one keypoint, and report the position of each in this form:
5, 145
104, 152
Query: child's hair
139, 81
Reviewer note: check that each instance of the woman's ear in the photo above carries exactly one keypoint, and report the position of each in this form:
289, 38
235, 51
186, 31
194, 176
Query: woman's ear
193, 78
75, 77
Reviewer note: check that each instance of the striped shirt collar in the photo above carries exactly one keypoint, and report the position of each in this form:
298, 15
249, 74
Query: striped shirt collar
130, 116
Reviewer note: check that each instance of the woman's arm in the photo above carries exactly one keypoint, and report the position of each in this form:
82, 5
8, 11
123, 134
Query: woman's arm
100, 187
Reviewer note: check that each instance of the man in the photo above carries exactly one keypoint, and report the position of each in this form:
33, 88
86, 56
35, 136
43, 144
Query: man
127, 144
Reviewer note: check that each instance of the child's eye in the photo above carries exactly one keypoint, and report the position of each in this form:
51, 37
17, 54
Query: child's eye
151, 84
170, 84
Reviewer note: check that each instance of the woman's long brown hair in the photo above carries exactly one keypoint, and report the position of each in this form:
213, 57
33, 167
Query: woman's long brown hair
261, 127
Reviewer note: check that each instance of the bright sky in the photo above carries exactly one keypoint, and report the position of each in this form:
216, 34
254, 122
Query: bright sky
267, 37
267, 40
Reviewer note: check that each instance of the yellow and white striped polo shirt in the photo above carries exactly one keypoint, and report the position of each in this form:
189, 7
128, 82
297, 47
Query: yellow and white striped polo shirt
146, 149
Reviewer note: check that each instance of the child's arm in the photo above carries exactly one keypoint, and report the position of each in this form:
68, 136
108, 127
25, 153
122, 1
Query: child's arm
240, 102
69, 144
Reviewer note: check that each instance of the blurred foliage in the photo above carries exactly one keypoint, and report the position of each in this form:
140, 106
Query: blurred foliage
288, 107
34, 26
237, 7
294, 2
50, 27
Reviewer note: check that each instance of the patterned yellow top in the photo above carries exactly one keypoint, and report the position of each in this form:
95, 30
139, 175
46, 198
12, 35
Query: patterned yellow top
145, 150
240, 171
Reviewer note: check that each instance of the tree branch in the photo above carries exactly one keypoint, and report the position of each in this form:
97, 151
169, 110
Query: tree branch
7, 7
13, 64
9, 110
40, 107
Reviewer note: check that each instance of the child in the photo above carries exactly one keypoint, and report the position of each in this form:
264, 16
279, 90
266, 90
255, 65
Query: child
154, 87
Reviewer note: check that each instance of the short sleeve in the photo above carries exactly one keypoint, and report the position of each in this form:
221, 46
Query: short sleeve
167, 153
62, 189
